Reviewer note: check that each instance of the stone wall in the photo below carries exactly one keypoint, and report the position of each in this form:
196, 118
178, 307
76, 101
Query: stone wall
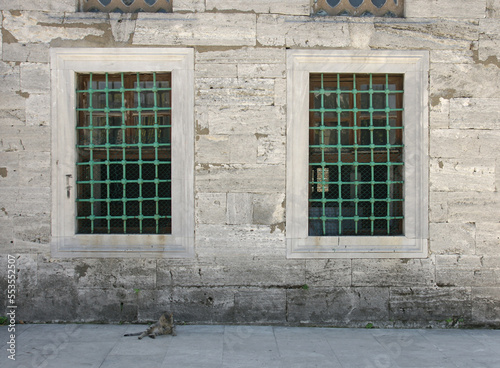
240, 273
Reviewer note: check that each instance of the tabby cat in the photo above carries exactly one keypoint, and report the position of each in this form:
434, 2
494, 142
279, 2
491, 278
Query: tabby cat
164, 326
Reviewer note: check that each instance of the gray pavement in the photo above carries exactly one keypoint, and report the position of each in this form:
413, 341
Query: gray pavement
104, 346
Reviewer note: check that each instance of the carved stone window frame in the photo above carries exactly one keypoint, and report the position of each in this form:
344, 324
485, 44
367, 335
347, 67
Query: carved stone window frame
66, 64
414, 65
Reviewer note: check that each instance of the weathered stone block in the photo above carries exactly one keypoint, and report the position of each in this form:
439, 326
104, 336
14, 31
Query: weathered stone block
34, 169
280, 92
13, 102
33, 27
11, 140
242, 149
473, 207
290, 7
258, 119
452, 238
203, 304
486, 305
493, 8
445, 9
33, 201
1, 37
38, 109
444, 143
455, 56
265, 271
441, 34
488, 238
213, 149
239, 208
328, 273
188, 5
240, 55
32, 229
235, 241
268, 209
489, 27
234, 91
12, 118
20, 246
489, 41
152, 303
223, 270
213, 29
497, 171
189, 273
45, 5
460, 80
6, 235
261, 70
488, 143
440, 114
35, 139
361, 32
55, 297
489, 49
241, 178
271, 149
26, 52
338, 306
204, 70
252, 305
393, 272
275, 30
432, 304
122, 26
475, 113
35, 78
462, 175
9, 169
107, 305
9, 197
211, 208
9, 77
113, 273
467, 270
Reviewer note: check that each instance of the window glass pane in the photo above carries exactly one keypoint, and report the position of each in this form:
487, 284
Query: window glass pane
360, 8
356, 155
126, 6
124, 154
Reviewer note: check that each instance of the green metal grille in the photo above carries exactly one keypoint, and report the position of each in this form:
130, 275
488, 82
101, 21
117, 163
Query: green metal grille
124, 153
356, 155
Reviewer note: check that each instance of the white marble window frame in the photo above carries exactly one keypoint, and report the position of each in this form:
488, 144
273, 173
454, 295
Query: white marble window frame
414, 65
66, 63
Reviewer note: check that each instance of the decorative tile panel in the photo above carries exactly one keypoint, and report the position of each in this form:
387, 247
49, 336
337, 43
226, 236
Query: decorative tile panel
359, 8
126, 6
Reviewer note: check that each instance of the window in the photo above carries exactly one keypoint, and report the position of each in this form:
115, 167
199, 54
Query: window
123, 155
359, 8
357, 154
126, 6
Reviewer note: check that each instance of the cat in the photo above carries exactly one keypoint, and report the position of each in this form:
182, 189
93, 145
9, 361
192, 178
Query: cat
164, 326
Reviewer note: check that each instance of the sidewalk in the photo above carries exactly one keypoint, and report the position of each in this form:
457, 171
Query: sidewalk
103, 346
